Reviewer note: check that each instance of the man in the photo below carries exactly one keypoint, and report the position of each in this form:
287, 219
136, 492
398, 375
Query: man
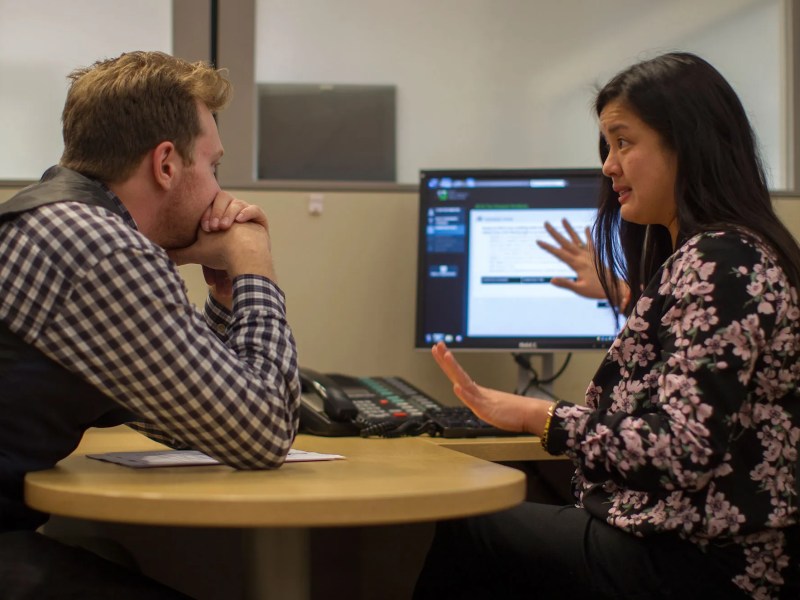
95, 325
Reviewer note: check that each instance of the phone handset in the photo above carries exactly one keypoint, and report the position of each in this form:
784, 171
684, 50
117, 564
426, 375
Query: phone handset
336, 404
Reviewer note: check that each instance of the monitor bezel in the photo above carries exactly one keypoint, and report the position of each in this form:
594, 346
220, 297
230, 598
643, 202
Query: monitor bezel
495, 344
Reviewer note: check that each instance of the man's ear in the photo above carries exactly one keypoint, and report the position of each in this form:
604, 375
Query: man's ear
166, 164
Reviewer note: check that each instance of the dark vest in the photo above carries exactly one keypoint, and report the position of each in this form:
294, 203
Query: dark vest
44, 409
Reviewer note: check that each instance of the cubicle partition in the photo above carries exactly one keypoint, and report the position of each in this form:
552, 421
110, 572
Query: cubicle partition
347, 262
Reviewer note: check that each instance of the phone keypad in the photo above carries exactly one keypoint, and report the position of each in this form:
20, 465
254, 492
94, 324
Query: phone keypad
389, 397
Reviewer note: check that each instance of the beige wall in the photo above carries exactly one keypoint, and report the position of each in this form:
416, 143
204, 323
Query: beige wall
350, 279
788, 208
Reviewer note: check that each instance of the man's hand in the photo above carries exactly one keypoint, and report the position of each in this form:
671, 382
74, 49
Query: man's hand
233, 239
226, 210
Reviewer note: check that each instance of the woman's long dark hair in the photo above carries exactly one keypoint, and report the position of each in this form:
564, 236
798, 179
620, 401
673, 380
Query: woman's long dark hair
720, 182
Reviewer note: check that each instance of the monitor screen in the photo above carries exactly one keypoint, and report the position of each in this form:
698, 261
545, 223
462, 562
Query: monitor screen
482, 281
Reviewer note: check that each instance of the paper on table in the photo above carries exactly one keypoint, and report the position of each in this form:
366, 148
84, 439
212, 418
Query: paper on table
187, 458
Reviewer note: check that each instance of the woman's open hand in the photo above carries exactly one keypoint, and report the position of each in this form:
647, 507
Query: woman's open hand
501, 409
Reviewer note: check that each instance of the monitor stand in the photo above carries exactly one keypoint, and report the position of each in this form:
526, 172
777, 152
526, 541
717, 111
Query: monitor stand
545, 372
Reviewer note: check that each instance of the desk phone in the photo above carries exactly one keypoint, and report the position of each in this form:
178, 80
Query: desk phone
341, 405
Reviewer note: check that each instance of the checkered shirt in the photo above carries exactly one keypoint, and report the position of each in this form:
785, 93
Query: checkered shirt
84, 287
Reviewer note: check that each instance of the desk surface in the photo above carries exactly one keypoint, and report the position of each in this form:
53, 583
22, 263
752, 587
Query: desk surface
498, 449
382, 481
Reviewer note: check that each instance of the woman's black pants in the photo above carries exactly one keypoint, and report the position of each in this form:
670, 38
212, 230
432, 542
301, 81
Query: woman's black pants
542, 551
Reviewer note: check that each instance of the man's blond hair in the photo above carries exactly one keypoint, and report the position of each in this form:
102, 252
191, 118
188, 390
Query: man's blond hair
118, 110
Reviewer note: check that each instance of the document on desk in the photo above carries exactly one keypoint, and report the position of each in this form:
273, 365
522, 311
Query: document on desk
189, 458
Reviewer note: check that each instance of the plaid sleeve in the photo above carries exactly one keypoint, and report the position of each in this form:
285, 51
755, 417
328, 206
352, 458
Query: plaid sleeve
129, 329
217, 317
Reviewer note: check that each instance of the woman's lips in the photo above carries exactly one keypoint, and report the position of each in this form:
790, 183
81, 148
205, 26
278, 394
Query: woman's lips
624, 194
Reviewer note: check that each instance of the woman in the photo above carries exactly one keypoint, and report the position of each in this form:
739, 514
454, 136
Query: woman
686, 449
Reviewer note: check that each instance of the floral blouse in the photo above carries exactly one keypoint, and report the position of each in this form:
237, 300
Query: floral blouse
692, 422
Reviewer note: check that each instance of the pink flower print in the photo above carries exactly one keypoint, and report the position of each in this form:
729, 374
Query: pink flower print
678, 384
693, 437
675, 411
637, 324
615, 351
703, 319
659, 451
643, 354
784, 381
793, 314
632, 499
781, 484
794, 435
707, 270
695, 353
634, 387
765, 308
651, 379
643, 305
756, 288
658, 513
768, 385
675, 502
593, 393
772, 447
632, 453
673, 314
593, 445
680, 362
779, 517
783, 340
703, 411
773, 413
689, 312
762, 471
756, 565
627, 350
744, 583
723, 517
763, 564
701, 289
745, 416
664, 286
794, 369
693, 434
773, 275
735, 336
750, 323
684, 520
715, 344
723, 470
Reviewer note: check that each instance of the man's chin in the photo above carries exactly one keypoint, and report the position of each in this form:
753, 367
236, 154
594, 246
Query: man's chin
178, 244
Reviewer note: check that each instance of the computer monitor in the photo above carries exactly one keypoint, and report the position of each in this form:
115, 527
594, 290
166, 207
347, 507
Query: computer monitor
482, 281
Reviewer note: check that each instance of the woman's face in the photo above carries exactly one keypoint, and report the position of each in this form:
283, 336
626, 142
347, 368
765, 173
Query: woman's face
641, 168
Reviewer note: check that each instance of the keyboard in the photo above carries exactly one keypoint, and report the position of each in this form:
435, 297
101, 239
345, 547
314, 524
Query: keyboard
461, 422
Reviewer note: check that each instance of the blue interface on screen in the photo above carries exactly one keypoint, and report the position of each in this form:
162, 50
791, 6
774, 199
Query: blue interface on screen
482, 282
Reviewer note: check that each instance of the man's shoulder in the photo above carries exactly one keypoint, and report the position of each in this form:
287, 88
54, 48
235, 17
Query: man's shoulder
74, 231
84, 222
